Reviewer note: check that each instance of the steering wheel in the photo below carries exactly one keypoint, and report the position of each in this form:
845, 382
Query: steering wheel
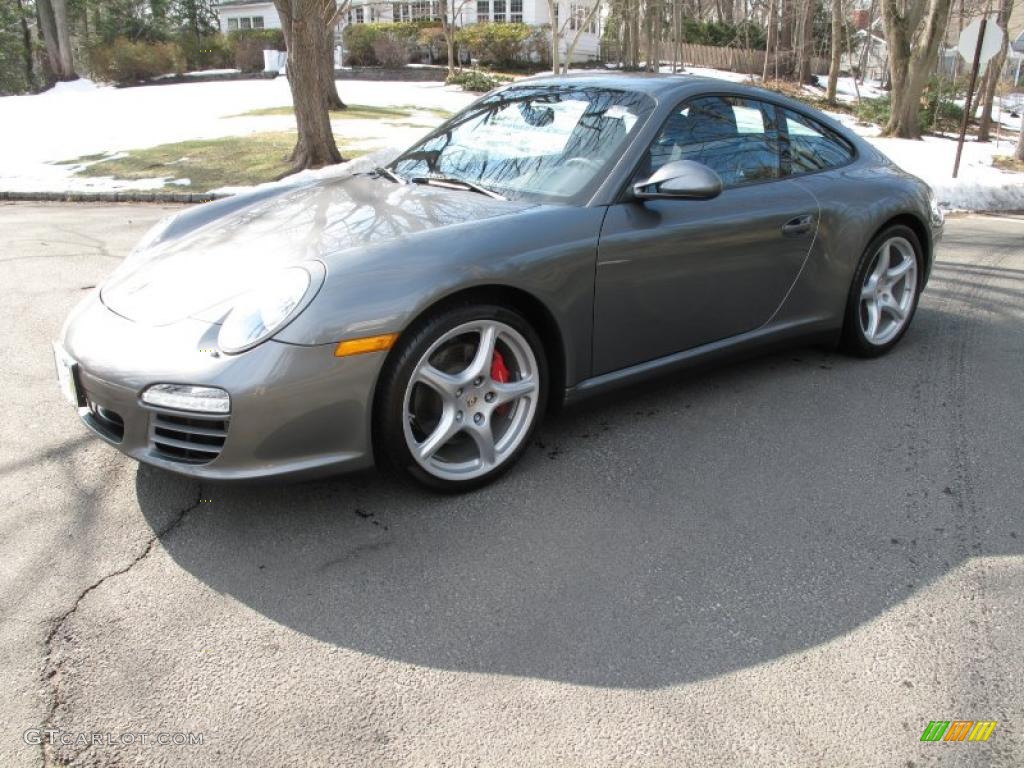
585, 162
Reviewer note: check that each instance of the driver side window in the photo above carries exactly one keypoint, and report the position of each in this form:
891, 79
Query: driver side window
735, 137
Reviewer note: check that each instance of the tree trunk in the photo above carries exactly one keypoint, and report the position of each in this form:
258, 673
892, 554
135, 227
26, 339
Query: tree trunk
909, 66
27, 52
555, 35
60, 18
770, 40
331, 95
785, 41
448, 27
48, 31
837, 43
306, 41
806, 42
1018, 154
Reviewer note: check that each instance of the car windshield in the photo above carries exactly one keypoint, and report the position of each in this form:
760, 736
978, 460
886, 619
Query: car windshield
540, 142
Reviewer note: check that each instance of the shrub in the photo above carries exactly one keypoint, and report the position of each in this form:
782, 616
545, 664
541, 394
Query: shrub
950, 113
475, 80
359, 40
721, 33
496, 45
873, 110
247, 46
208, 52
537, 47
393, 50
433, 41
124, 61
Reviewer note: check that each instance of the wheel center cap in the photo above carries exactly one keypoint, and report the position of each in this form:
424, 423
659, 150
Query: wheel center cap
471, 401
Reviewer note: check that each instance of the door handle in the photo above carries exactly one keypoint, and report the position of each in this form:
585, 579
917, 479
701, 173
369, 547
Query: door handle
798, 225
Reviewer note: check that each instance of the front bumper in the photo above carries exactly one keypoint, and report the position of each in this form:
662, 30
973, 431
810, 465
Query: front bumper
295, 410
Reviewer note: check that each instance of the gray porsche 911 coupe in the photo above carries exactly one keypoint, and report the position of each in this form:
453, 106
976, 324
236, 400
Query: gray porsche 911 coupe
557, 238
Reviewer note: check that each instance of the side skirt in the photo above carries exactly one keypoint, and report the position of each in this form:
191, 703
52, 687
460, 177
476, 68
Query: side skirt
819, 330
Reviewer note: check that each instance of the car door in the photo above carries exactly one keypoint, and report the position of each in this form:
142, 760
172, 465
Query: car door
676, 274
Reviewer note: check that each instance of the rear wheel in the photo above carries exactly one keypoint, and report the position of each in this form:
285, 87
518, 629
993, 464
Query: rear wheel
461, 397
884, 293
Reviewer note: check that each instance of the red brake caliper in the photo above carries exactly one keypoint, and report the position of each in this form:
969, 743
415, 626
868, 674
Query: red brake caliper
500, 374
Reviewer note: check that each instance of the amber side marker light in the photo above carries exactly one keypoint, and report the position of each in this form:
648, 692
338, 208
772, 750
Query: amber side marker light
368, 344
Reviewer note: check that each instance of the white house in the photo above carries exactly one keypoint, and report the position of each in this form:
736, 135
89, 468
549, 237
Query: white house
256, 14
246, 14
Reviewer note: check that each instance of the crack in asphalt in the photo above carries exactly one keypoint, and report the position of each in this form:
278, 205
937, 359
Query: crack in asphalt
51, 672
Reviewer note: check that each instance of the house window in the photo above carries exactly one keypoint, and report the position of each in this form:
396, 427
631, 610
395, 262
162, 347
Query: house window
246, 22
483, 10
232, 25
257, 22
356, 17
499, 11
421, 11
516, 11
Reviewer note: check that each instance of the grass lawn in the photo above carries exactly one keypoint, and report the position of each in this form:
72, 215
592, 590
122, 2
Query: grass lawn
1008, 163
354, 112
207, 164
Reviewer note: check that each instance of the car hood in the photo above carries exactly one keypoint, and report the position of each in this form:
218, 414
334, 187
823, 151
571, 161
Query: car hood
199, 271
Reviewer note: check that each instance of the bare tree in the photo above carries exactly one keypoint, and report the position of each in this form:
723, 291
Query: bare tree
449, 21
995, 67
583, 21
913, 30
837, 43
304, 22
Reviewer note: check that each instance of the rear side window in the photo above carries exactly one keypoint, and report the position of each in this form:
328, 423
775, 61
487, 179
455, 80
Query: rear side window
734, 136
812, 147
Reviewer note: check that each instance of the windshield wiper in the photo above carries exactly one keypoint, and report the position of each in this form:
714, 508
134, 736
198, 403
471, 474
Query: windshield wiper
450, 182
389, 174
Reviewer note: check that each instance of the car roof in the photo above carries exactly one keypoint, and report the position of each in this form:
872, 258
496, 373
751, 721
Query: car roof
645, 82
671, 88
658, 85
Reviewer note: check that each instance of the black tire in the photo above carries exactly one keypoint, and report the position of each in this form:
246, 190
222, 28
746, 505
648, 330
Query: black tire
391, 448
854, 340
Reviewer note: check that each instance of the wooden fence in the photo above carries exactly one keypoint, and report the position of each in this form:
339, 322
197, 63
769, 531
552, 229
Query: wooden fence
745, 60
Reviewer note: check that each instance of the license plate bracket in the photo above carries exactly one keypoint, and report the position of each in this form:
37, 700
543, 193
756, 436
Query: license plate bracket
67, 376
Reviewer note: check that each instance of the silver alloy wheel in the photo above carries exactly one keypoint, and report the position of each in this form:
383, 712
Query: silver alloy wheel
459, 422
887, 296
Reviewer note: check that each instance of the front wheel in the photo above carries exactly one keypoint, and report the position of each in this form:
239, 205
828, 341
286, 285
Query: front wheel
884, 293
461, 397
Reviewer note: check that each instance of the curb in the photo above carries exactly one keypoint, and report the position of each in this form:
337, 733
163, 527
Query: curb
112, 197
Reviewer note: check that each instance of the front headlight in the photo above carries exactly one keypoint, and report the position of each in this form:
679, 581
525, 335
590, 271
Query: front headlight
266, 309
938, 218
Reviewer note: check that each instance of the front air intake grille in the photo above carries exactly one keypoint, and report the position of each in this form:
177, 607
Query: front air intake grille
192, 439
107, 422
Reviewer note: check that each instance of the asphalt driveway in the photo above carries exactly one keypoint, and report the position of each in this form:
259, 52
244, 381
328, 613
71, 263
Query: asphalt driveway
799, 560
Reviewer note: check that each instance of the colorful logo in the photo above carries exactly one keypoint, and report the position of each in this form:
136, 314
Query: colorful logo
958, 730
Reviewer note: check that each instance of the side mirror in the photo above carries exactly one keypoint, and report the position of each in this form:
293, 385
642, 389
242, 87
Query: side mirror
682, 180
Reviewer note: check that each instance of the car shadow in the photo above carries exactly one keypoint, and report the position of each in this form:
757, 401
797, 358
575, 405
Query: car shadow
673, 533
